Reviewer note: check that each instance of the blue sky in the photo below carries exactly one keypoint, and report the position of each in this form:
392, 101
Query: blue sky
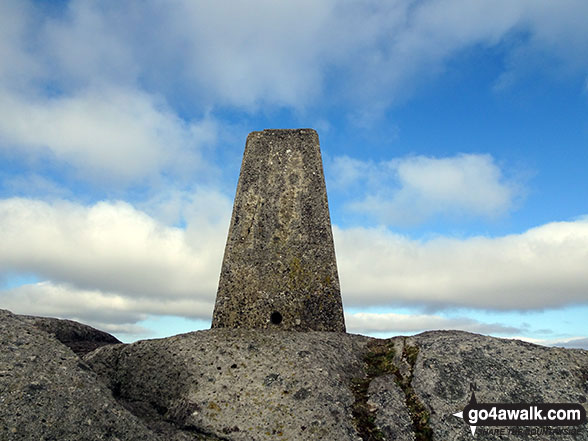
454, 137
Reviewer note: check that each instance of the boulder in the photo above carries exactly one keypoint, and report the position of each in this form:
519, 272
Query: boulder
500, 370
78, 337
241, 384
48, 393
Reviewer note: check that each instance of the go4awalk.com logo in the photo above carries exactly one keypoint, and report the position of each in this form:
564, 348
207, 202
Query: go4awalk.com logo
510, 418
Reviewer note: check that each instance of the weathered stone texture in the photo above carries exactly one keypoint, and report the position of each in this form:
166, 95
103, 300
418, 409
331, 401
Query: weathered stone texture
279, 269
387, 402
47, 393
78, 337
503, 371
241, 384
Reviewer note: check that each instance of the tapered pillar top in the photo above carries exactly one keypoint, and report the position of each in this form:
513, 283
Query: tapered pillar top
279, 269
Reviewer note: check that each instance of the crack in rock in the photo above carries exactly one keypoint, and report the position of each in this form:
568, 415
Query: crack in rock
381, 360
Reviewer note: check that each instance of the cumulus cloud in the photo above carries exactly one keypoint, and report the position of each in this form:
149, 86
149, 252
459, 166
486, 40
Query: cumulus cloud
118, 133
15, 22
411, 190
119, 91
571, 343
114, 312
112, 247
115, 258
285, 54
367, 323
541, 268
70, 94
97, 85
578, 343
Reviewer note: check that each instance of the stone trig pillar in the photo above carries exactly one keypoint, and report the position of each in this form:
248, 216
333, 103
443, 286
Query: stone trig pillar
279, 269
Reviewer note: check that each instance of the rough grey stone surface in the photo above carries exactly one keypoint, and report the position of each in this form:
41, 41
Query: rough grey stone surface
279, 268
47, 393
78, 337
242, 384
239, 384
388, 404
503, 371
259, 385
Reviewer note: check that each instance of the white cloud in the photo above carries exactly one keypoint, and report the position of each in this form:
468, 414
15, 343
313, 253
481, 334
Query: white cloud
266, 53
572, 342
470, 182
345, 172
102, 309
544, 267
95, 87
233, 53
17, 66
199, 208
411, 190
113, 248
91, 42
578, 342
112, 257
367, 323
110, 133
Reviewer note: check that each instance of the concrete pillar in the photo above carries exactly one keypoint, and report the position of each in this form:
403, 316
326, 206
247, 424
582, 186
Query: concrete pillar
279, 269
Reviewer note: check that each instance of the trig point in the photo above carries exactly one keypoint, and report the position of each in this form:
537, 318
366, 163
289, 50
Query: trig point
279, 269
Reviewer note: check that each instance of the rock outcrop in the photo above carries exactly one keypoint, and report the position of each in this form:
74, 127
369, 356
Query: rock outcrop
233, 384
242, 384
78, 337
48, 393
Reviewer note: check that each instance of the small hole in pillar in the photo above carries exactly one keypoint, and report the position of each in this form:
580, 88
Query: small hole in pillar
276, 318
